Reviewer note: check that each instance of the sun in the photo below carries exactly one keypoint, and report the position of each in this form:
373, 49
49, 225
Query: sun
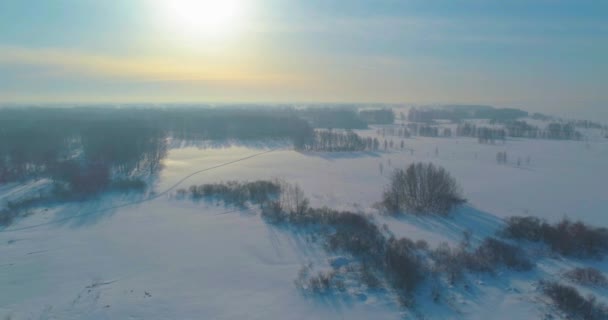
204, 17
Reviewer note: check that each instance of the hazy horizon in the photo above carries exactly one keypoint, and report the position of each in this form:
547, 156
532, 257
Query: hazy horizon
546, 56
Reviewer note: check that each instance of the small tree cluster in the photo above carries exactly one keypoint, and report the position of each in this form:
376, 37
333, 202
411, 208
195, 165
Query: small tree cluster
404, 263
422, 188
234, 192
493, 252
483, 134
571, 302
335, 141
402, 132
521, 129
565, 237
490, 135
490, 255
561, 131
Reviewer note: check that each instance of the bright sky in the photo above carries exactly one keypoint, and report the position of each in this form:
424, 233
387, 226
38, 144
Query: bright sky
520, 53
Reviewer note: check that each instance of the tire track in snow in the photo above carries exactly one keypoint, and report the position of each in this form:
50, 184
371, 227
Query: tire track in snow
156, 196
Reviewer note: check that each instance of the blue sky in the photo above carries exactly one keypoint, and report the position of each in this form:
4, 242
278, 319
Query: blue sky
544, 54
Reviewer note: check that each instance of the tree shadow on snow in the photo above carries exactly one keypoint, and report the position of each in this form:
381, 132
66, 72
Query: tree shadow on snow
292, 239
466, 218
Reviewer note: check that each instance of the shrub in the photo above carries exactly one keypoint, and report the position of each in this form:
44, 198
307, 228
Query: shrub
273, 213
422, 188
363, 245
566, 237
490, 255
587, 276
405, 267
570, 301
493, 252
528, 228
450, 261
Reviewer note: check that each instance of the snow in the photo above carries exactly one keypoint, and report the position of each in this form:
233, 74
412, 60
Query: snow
165, 258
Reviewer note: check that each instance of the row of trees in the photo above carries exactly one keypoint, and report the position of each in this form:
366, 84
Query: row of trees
562, 131
462, 112
330, 140
87, 149
342, 141
518, 129
425, 130
483, 134
402, 132
565, 237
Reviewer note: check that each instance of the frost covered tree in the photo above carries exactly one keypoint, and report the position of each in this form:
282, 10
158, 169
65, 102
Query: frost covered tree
422, 188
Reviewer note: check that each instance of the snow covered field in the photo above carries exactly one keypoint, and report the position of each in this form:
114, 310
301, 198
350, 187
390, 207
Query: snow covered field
174, 259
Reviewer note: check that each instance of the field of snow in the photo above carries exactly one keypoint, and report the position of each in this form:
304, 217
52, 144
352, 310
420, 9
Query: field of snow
175, 259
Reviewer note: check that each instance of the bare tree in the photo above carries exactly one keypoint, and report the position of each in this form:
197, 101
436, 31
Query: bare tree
422, 188
292, 199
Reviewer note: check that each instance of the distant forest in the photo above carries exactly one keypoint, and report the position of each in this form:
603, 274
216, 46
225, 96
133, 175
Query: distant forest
462, 112
507, 123
87, 150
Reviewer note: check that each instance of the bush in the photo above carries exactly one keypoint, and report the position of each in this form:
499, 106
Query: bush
490, 255
587, 276
364, 245
422, 188
450, 261
493, 252
405, 267
570, 301
528, 228
566, 237
273, 213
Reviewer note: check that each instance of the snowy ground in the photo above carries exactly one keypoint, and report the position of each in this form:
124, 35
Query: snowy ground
172, 259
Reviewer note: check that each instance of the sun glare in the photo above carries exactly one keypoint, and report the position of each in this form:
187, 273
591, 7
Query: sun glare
204, 17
